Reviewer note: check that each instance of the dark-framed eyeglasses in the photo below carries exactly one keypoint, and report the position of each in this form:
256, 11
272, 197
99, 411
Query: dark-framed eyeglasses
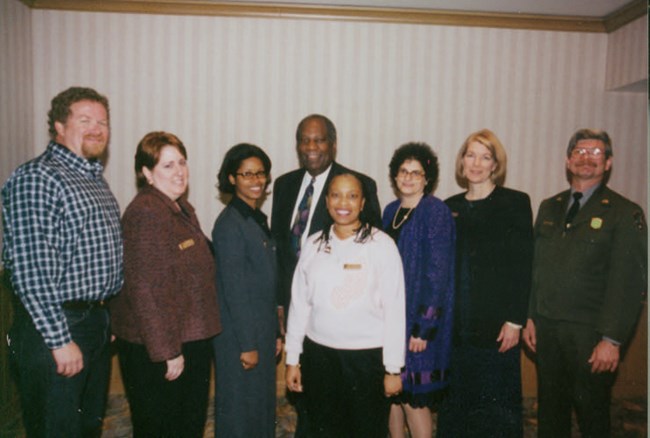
253, 175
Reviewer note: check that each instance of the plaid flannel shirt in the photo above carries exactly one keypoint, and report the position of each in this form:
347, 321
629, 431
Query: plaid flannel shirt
62, 238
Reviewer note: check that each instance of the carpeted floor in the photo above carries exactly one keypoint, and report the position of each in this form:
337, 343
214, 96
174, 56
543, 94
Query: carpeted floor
628, 416
629, 420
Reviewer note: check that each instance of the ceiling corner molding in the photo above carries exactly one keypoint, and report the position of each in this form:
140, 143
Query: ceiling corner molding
348, 13
625, 15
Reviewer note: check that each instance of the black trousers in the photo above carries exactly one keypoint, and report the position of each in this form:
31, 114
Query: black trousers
54, 405
160, 408
344, 392
565, 380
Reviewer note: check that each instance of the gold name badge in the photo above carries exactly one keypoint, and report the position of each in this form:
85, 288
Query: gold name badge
596, 223
352, 266
186, 244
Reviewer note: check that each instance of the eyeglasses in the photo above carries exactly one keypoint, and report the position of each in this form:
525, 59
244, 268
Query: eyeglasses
415, 174
253, 175
592, 152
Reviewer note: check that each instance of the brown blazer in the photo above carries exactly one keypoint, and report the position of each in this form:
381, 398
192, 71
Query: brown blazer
169, 295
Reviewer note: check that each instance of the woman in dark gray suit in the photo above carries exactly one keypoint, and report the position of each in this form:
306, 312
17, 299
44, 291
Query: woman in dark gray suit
246, 280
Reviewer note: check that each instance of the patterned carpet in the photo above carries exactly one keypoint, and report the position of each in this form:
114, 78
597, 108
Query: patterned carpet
628, 416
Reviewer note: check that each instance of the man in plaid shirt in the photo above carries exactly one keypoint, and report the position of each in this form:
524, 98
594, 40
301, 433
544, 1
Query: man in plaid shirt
63, 252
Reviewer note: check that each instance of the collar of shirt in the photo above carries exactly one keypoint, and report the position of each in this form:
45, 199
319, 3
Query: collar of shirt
585, 195
88, 167
319, 185
247, 211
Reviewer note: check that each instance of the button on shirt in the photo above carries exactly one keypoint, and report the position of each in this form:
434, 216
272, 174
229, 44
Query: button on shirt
62, 237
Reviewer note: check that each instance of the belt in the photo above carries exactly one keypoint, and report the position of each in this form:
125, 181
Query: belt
84, 305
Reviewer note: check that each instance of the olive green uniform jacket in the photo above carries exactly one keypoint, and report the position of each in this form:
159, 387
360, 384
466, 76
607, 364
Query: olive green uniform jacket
595, 272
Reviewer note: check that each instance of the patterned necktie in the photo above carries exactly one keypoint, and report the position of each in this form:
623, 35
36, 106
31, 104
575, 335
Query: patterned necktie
573, 210
302, 215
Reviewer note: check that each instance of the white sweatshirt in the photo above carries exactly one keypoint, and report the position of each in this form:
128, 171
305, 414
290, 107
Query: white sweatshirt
349, 296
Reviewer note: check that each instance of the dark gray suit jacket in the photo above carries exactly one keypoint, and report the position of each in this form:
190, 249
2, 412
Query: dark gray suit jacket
246, 284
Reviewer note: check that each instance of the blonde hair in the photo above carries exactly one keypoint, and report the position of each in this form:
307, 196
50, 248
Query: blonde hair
488, 139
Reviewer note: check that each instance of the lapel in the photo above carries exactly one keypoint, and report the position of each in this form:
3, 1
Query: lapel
560, 207
260, 240
289, 198
320, 214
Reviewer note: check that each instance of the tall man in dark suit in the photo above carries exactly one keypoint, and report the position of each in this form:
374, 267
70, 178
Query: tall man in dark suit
589, 275
299, 205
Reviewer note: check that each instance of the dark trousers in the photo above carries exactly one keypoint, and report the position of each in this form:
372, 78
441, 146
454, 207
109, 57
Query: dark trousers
566, 381
160, 408
53, 405
344, 392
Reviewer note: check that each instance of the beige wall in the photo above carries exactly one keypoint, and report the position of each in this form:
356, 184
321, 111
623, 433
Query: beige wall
627, 55
16, 86
216, 81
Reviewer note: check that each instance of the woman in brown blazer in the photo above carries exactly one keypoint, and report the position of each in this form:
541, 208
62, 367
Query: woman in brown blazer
167, 312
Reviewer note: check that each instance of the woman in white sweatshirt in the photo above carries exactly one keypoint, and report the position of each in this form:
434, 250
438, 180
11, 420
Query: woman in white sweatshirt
345, 344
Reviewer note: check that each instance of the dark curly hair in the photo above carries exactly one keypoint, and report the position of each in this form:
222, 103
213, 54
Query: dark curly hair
233, 159
421, 152
62, 102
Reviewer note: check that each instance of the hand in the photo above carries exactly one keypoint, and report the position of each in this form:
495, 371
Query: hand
293, 378
508, 336
175, 367
529, 335
249, 359
278, 346
69, 360
392, 385
416, 345
605, 357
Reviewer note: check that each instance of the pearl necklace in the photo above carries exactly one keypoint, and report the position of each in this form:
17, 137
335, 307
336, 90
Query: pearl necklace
406, 216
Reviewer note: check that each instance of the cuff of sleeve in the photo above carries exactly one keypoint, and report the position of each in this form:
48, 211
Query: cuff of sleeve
392, 369
513, 325
612, 341
292, 358
58, 343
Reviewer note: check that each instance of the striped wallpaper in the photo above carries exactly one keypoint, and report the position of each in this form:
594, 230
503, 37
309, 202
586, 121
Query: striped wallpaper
627, 55
217, 81
16, 96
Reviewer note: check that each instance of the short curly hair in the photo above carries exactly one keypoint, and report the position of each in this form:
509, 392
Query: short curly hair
330, 129
421, 152
233, 159
60, 109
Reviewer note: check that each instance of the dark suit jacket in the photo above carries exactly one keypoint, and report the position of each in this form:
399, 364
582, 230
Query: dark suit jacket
494, 260
595, 273
285, 197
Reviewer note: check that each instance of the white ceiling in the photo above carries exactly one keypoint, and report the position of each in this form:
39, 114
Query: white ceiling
581, 8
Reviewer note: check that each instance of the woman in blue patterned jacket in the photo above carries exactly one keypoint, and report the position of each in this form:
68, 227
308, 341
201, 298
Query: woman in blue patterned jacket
423, 228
